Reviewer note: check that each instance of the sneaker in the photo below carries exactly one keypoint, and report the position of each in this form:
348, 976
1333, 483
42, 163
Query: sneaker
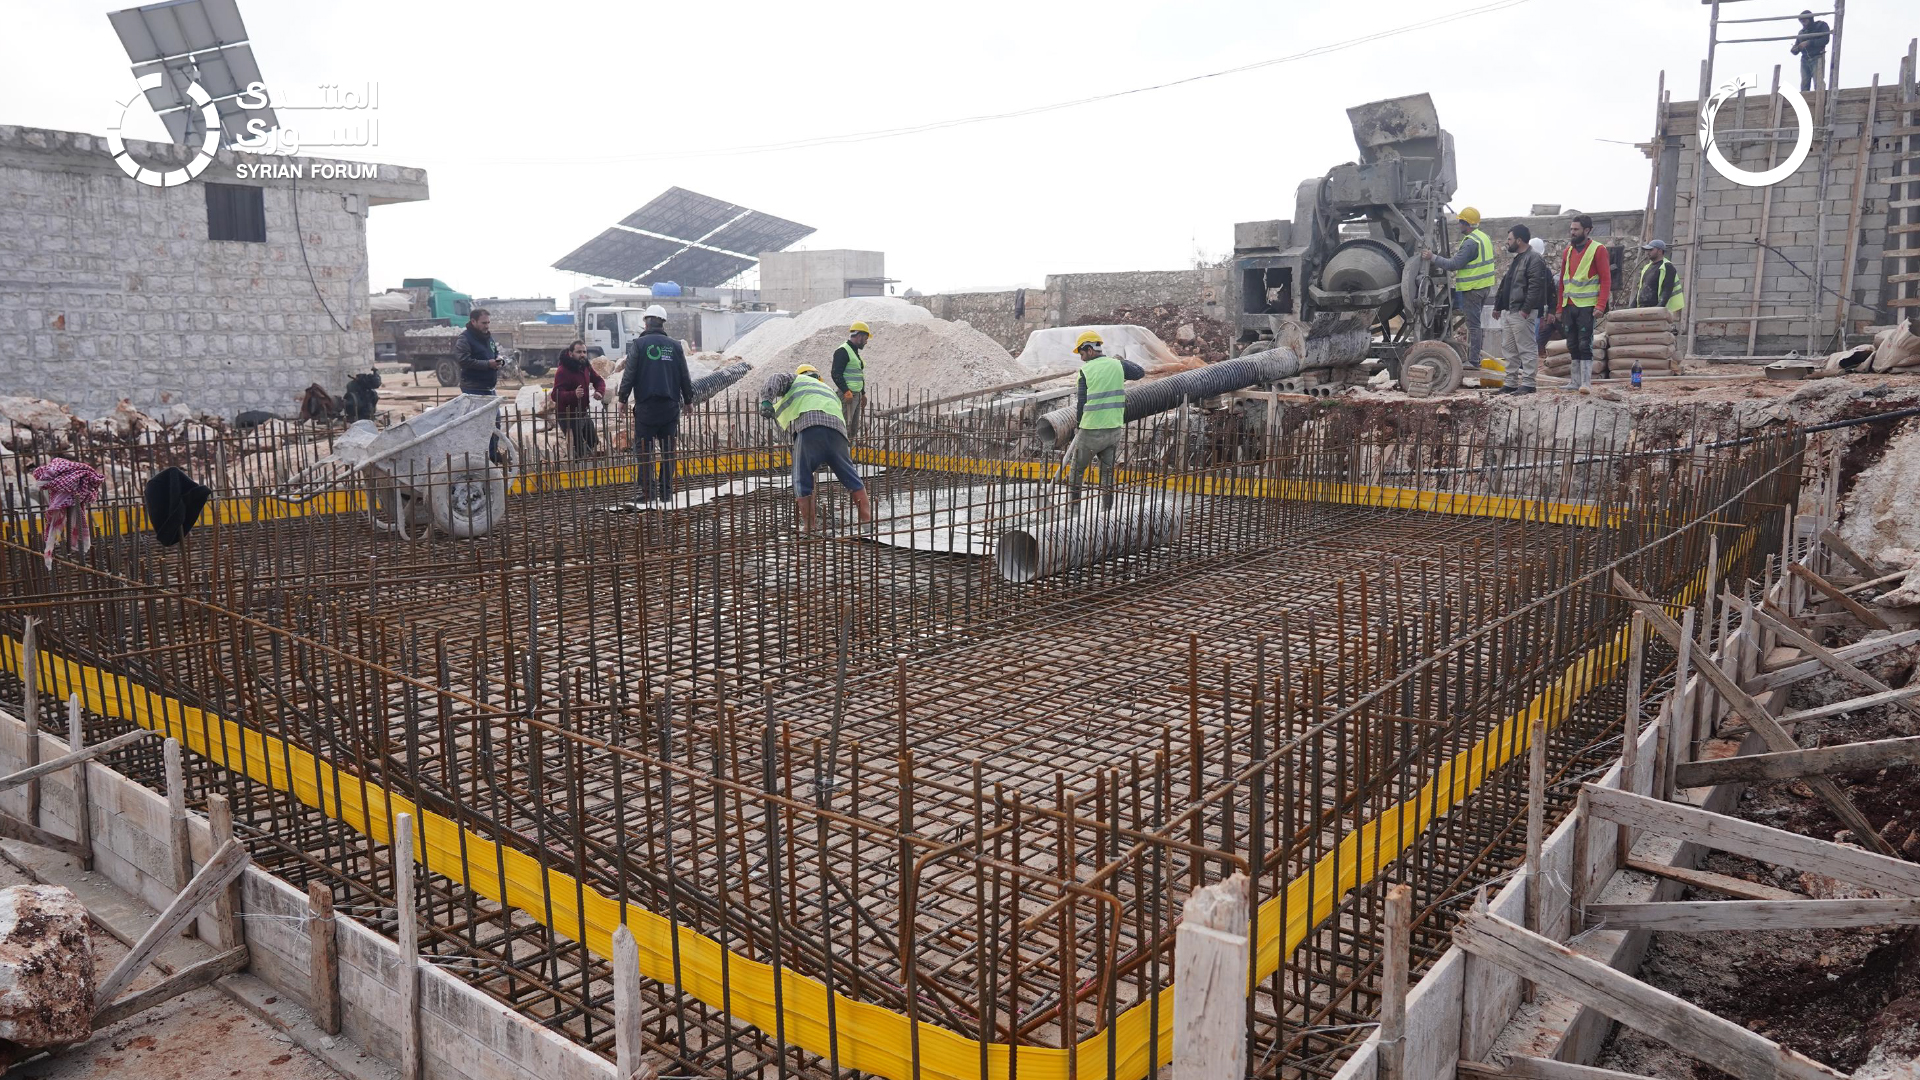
1506, 390
1527, 390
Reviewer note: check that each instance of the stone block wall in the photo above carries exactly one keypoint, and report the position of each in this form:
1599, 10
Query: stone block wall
111, 289
1068, 299
1735, 278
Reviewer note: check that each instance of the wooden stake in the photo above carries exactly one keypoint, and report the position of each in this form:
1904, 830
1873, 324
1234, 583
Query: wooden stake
82, 808
226, 928
30, 677
179, 846
1630, 748
1763, 721
34, 772
409, 947
1833, 592
628, 1046
1391, 1059
226, 864
1847, 757
1210, 984
1679, 1023
323, 958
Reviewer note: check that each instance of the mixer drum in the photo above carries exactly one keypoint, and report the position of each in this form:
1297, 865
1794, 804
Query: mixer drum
1360, 267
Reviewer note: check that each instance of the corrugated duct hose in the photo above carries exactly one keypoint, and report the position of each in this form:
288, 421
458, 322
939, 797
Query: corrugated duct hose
1334, 342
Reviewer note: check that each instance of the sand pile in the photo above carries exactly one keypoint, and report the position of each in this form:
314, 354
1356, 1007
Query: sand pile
911, 352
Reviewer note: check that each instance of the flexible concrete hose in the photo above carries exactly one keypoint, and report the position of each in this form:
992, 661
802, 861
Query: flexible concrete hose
1337, 342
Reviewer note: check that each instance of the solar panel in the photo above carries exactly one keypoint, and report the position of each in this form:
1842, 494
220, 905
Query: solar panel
619, 255
696, 240
758, 232
193, 41
698, 268
682, 214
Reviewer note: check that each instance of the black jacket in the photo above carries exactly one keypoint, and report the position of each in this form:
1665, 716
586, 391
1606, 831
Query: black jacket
475, 352
1657, 284
656, 371
840, 362
1527, 286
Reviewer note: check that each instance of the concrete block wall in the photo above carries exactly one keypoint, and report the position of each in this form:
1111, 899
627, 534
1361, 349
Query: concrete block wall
111, 289
1720, 236
798, 280
464, 1034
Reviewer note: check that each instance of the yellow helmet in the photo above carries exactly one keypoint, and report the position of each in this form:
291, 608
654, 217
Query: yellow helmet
806, 369
1469, 215
859, 328
1088, 337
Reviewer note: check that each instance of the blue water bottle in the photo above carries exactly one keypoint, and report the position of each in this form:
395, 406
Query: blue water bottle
1636, 373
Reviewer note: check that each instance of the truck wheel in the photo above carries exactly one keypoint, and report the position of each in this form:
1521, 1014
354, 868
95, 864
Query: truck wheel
534, 367
1430, 369
470, 502
447, 372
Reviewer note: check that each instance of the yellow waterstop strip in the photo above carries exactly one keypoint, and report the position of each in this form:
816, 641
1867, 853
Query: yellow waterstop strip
866, 1037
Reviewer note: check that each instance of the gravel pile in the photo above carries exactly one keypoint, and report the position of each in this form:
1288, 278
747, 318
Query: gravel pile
911, 351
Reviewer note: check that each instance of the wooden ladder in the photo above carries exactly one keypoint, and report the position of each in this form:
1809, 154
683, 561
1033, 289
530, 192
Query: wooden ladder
1903, 202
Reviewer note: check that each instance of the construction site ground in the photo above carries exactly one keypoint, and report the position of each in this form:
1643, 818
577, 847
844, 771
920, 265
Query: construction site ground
235, 1028
1849, 998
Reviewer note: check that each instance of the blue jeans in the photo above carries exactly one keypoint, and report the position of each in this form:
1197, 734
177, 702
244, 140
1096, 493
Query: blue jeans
815, 447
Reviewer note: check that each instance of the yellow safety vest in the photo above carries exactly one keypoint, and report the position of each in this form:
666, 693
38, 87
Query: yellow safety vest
1678, 300
1477, 274
1106, 394
1581, 286
856, 372
807, 394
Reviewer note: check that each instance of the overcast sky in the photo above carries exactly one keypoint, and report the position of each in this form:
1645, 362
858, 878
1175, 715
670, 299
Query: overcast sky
541, 123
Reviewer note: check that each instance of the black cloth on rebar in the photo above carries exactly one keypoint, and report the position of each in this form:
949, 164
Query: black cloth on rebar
174, 501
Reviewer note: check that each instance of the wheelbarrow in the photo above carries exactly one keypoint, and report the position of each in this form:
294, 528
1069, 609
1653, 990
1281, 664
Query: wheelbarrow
446, 469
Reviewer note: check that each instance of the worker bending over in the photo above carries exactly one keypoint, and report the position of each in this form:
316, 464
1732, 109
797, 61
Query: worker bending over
1473, 278
1101, 407
657, 378
1659, 280
850, 375
1585, 281
809, 411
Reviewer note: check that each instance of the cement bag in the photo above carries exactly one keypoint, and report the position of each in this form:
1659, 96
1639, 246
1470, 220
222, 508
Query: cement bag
1642, 353
1638, 328
1556, 348
1895, 348
1640, 314
1662, 338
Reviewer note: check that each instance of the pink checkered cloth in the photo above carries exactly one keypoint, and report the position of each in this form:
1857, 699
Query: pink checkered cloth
71, 487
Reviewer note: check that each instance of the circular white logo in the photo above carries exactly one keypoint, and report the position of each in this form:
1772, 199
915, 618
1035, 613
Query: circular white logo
1802, 143
172, 177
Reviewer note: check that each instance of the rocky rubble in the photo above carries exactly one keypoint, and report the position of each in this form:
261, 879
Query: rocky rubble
46, 967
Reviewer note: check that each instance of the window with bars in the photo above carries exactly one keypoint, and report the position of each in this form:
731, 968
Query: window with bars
236, 212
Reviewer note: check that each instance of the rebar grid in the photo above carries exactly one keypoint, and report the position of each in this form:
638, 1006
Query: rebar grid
976, 804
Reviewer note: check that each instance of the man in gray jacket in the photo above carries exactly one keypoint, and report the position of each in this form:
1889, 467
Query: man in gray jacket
1518, 304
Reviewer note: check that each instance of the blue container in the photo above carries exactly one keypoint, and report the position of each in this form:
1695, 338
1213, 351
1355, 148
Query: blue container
558, 318
666, 288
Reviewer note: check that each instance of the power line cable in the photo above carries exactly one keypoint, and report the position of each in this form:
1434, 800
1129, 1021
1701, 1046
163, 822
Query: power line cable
1031, 110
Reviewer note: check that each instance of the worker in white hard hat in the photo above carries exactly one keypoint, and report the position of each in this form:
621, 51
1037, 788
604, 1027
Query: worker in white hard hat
656, 377
1100, 413
1473, 280
850, 377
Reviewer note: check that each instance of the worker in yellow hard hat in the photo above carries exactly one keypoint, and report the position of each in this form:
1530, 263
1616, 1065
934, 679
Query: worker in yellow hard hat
811, 413
850, 375
1100, 414
1473, 280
